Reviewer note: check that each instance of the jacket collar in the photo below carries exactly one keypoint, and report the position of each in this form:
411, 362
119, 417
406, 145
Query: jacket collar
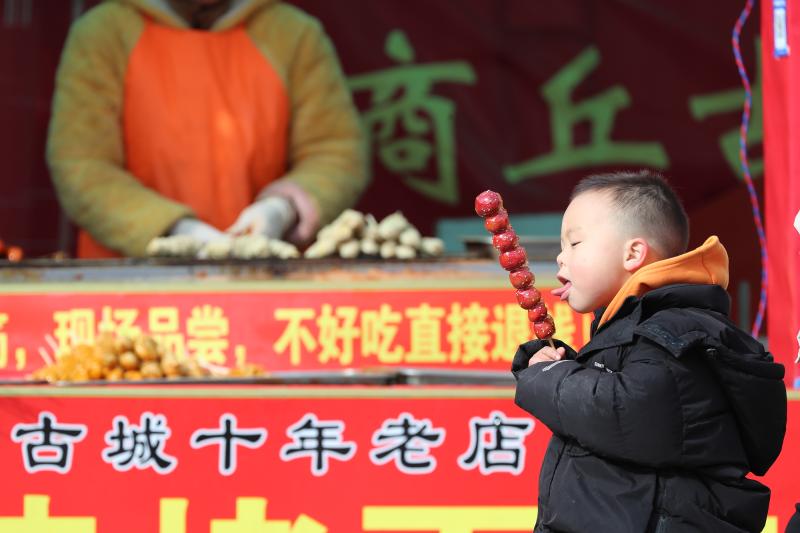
619, 328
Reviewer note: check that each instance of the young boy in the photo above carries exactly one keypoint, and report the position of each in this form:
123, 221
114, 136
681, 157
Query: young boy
659, 418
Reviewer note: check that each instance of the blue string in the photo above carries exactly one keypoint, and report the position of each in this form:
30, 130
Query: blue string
751, 190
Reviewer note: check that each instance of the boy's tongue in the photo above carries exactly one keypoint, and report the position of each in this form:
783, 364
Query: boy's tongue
562, 292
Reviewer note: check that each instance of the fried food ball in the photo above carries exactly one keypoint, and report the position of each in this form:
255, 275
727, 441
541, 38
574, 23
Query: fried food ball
114, 374
110, 360
94, 369
105, 341
170, 366
132, 375
146, 348
151, 370
123, 344
129, 361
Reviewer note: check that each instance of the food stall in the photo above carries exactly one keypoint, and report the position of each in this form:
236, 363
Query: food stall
360, 395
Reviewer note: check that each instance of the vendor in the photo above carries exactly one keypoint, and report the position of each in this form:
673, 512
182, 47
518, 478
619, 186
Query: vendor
201, 117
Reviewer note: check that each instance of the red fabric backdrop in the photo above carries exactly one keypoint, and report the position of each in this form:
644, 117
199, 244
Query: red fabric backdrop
782, 188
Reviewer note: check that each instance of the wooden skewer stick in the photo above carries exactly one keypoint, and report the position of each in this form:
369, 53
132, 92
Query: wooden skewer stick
45, 356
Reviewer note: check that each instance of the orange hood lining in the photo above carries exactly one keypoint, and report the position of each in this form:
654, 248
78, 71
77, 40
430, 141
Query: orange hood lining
707, 264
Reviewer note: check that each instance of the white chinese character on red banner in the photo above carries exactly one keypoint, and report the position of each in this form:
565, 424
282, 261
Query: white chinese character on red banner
227, 436
497, 444
139, 446
407, 441
48, 445
319, 440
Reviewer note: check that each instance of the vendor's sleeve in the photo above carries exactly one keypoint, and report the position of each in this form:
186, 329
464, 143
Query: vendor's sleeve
85, 145
326, 146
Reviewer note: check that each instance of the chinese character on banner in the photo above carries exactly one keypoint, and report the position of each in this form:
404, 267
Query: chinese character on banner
400, 127
337, 333
497, 444
121, 321
139, 446
227, 436
378, 331
36, 518
407, 442
510, 328
48, 445
74, 326
163, 323
319, 440
730, 101
425, 330
469, 333
251, 517
599, 111
448, 519
207, 328
296, 337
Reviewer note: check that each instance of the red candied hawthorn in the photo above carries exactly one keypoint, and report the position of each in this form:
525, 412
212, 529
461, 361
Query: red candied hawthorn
537, 312
488, 203
544, 328
497, 223
513, 259
528, 298
506, 240
522, 278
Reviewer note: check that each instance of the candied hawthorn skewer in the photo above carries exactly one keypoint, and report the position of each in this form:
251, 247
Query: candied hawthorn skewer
489, 206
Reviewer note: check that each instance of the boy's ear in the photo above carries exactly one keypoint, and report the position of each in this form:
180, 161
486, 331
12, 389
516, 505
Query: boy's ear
637, 254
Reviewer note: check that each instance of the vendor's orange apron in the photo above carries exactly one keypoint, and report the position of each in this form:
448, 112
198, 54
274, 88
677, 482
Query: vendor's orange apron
205, 122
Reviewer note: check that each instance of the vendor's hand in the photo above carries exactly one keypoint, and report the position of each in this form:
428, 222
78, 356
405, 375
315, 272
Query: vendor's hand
198, 230
270, 217
547, 354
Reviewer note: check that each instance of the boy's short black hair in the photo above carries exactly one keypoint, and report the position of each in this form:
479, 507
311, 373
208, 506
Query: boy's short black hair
647, 203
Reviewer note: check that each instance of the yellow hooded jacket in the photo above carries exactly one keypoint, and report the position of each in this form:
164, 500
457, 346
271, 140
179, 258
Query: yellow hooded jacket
154, 121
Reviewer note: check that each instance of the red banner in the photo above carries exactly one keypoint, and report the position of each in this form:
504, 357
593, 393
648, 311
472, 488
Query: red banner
782, 185
302, 460
469, 328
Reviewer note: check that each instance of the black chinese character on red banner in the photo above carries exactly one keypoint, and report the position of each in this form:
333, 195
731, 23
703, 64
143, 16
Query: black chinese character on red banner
139, 446
407, 442
319, 440
227, 437
48, 445
497, 444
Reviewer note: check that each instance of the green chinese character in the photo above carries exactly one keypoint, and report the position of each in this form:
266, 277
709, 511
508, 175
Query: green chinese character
704, 106
401, 96
600, 111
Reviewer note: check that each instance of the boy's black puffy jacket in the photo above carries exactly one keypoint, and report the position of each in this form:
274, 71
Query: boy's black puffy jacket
657, 420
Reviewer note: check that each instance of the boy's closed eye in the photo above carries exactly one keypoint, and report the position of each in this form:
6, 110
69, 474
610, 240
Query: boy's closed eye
574, 244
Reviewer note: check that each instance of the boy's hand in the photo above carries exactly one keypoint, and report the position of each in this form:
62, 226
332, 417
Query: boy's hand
547, 354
